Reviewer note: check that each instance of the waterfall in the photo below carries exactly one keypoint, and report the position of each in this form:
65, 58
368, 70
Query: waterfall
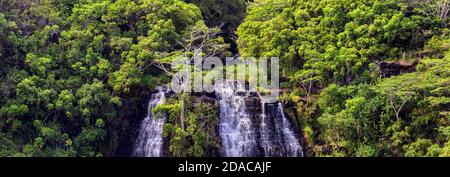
236, 131
277, 136
265, 132
291, 144
150, 141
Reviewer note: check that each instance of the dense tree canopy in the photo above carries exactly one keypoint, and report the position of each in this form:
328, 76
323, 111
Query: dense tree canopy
333, 41
69, 69
365, 78
333, 52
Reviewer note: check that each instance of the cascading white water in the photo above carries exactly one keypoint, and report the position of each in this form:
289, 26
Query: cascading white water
291, 144
265, 132
236, 132
277, 137
150, 141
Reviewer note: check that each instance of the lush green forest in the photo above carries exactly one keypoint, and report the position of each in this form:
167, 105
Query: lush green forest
364, 78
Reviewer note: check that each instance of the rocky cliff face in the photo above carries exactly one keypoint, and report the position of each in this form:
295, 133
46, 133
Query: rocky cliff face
132, 112
389, 69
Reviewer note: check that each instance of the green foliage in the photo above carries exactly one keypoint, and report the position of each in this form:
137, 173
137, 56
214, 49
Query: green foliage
331, 51
400, 109
9, 42
224, 14
68, 66
199, 135
71, 71
331, 41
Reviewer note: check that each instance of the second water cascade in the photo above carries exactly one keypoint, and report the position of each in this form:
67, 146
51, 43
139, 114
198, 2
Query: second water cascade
273, 135
150, 140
